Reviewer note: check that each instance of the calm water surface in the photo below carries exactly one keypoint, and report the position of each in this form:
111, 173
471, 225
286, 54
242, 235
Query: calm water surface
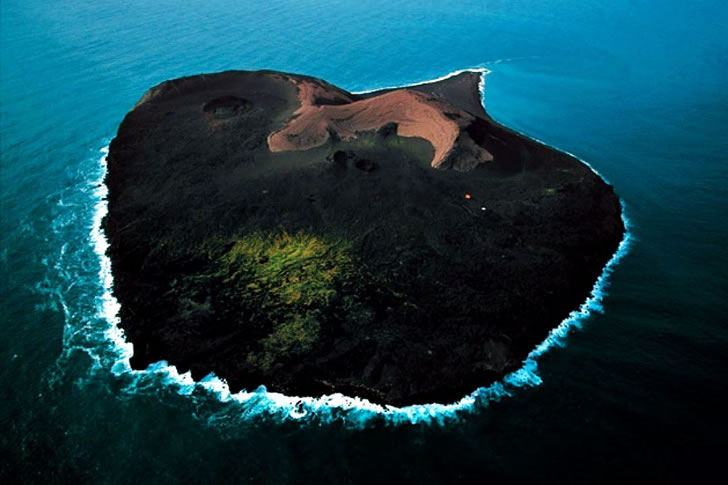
638, 89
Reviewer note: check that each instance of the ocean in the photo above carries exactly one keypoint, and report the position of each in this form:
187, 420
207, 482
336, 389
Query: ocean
633, 385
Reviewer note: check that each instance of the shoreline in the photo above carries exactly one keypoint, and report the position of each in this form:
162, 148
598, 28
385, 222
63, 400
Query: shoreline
481, 85
297, 407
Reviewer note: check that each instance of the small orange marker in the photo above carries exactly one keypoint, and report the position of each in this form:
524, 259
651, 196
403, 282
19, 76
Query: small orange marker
467, 196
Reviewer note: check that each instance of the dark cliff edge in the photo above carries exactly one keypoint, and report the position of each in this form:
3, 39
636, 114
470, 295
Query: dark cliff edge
334, 258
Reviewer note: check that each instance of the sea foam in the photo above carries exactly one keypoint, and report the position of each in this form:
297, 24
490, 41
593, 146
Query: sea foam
352, 410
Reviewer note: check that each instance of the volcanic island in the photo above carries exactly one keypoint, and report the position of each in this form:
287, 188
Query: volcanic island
398, 245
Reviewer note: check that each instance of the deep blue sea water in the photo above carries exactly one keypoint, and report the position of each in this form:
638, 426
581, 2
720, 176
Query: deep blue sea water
637, 89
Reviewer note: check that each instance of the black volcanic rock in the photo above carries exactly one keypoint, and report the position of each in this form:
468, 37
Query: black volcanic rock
353, 265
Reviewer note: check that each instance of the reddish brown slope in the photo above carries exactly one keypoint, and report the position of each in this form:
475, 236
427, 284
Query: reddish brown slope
324, 110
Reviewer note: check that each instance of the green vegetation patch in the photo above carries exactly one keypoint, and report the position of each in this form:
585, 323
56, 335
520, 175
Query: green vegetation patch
290, 282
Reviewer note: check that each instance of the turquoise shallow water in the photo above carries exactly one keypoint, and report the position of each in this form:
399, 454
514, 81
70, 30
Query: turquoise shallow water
640, 91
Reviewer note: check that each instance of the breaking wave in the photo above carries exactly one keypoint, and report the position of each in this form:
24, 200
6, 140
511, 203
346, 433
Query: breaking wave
94, 331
